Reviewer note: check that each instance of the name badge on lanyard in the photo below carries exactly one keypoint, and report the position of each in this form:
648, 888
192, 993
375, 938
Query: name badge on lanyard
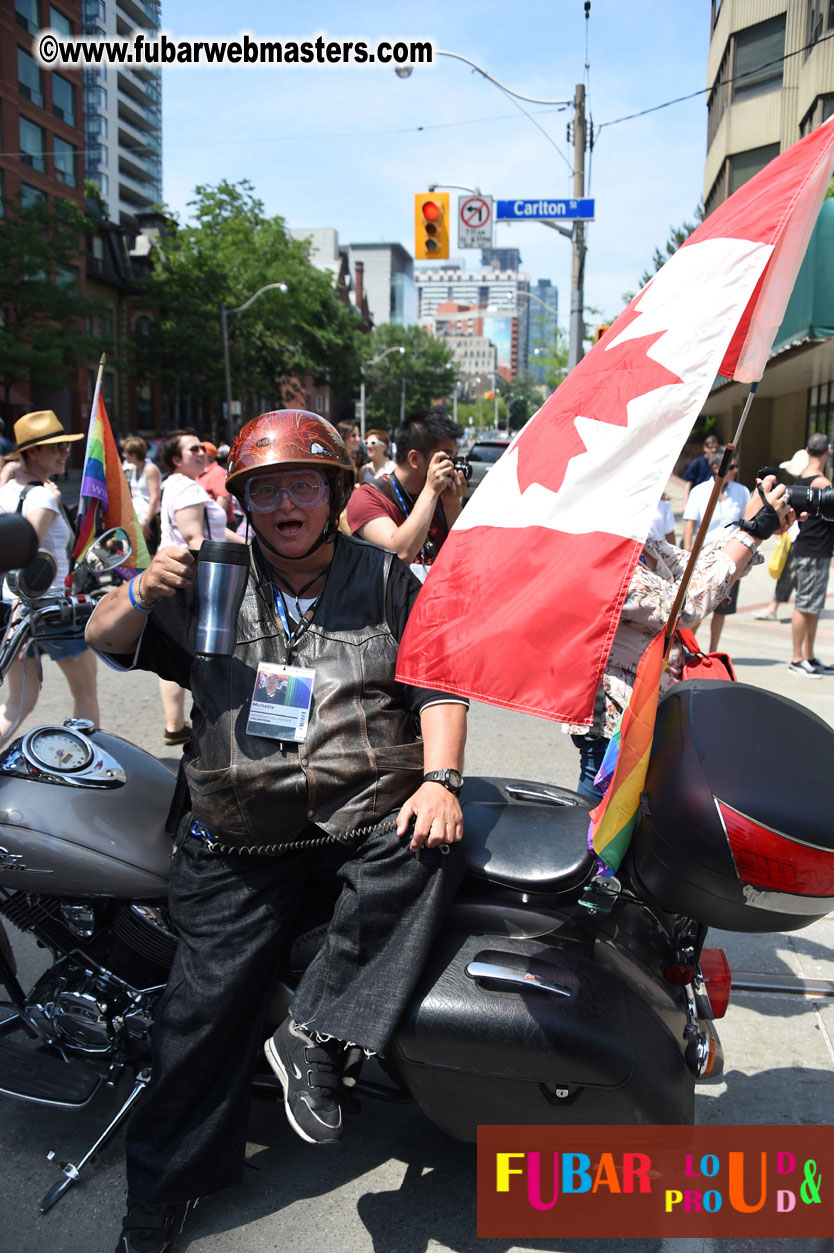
281, 700
283, 694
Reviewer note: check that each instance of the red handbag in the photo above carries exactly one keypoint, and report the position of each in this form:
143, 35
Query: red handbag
700, 665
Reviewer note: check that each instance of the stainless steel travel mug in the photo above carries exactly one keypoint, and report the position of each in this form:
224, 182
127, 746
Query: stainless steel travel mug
222, 571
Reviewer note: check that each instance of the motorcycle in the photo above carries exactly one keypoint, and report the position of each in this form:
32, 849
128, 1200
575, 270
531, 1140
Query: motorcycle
554, 994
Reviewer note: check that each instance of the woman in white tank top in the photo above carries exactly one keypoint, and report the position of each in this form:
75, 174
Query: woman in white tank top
145, 488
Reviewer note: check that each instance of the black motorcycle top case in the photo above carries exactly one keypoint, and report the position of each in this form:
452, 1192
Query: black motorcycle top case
736, 827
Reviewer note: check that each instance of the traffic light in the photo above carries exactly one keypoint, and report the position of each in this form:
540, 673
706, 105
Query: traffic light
599, 331
431, 226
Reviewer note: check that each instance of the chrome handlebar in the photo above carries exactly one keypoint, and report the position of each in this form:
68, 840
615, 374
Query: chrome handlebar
51, 617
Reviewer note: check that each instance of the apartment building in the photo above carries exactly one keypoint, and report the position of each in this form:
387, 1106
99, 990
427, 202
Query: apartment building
41, 127
771, 72
770, 69
498, 304
123, 114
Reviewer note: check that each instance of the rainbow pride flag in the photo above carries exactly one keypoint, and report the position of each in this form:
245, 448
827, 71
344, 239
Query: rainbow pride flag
105, 500
622, 774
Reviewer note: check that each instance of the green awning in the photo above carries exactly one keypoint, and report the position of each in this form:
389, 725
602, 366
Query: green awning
810, 311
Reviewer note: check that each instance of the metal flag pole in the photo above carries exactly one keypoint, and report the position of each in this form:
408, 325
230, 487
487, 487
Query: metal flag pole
717, 488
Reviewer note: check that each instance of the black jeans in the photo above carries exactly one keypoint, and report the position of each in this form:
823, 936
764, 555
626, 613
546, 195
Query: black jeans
233, 913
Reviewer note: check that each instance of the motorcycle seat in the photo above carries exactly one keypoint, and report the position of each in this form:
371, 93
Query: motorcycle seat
529, 837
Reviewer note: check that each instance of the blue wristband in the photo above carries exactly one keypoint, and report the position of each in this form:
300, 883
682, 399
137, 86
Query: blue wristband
139, 608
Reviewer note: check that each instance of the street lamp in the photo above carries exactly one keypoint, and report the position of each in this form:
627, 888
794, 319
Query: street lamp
362, 410
577, 233
224, 312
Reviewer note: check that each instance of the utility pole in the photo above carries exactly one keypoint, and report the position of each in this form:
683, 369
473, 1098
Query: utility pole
577, 282
577, 234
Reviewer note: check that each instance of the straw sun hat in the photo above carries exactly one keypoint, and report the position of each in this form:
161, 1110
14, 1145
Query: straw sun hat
43, 427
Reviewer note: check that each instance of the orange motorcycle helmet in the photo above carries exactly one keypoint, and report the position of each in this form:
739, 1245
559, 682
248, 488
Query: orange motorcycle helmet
291, 437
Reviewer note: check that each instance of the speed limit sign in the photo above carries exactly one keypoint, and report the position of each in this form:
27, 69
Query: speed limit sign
475, 218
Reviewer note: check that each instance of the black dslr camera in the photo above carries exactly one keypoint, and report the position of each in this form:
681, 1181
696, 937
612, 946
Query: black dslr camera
817, 502
465, 467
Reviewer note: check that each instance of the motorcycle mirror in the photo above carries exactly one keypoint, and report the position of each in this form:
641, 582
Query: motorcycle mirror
35, 579
110, 550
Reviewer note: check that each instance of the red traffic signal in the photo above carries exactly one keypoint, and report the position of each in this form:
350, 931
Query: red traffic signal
431, 226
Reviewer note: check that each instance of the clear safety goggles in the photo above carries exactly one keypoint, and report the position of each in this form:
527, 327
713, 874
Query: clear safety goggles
305, 488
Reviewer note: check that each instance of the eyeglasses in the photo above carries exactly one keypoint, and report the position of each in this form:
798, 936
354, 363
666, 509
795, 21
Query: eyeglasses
62, 446
195, 448
734, 466
374, 443
305, 488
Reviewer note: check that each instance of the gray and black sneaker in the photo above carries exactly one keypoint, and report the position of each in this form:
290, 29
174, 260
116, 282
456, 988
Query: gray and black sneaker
310, 1077
148, 1230
804, 668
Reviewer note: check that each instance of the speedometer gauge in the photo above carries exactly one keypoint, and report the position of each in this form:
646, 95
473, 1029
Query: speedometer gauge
57, 750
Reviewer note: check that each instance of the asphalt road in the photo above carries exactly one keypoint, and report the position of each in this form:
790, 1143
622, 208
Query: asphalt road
398, 1185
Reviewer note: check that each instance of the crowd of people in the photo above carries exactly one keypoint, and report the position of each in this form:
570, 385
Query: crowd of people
356, 783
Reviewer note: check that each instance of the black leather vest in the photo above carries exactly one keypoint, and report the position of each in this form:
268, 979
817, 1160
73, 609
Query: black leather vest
362, 757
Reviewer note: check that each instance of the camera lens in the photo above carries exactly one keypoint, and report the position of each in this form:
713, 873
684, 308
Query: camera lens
817, 502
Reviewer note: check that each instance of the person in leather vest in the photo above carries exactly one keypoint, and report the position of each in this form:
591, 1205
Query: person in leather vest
342, 772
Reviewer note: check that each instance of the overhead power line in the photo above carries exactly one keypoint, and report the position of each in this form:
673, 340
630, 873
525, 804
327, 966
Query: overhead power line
306, 136
628, 117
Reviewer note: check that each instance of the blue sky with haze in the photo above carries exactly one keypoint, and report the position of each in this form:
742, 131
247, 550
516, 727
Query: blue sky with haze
343, 146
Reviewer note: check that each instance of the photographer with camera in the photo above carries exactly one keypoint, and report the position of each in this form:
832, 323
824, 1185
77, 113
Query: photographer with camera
411, 510
811, 558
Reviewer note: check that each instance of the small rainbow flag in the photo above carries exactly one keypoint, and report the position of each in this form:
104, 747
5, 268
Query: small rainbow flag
622, 774
105, 500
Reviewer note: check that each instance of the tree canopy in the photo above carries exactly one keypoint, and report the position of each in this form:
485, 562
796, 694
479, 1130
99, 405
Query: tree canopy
43, 336
426, 367
228, 252
677, 236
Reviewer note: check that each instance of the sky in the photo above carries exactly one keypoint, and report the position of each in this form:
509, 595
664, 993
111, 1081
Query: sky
348, 147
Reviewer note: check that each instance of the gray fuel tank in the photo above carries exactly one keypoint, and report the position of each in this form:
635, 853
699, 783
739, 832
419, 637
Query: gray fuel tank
62, 840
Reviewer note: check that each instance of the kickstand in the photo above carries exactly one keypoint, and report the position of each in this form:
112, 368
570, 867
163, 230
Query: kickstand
71, 1172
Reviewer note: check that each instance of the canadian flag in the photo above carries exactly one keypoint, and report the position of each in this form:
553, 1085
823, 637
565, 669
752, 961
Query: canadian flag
521, 606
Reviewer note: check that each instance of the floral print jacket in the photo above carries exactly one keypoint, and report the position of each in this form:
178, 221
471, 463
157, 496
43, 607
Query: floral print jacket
646, 611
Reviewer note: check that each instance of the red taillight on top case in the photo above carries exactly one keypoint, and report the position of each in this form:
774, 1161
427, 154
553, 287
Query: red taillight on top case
767, 859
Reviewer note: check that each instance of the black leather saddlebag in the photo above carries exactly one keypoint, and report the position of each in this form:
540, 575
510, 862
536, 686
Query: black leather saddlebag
516, 1031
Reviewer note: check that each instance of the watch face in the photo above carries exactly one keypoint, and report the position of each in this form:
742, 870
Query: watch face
455, 778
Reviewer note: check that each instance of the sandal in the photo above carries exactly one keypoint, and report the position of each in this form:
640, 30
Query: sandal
177, 737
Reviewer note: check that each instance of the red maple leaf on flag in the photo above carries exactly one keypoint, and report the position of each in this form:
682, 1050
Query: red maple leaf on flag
599, 389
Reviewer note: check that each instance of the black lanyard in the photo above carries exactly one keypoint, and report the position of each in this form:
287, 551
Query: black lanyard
428, 549
304, 620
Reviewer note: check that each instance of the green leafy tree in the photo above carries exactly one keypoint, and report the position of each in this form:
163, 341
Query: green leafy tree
523, 397
228, 252
426, 370
43, 336
554, 359
677, 236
